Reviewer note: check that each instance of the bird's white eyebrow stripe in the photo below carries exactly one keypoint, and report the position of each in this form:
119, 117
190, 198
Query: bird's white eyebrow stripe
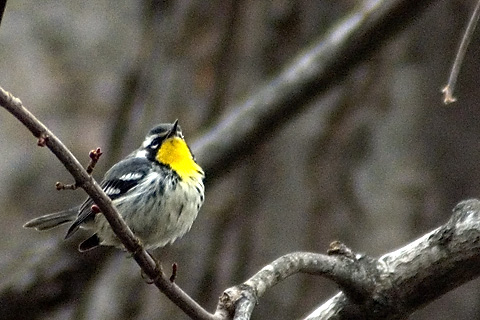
131, 176
148, 141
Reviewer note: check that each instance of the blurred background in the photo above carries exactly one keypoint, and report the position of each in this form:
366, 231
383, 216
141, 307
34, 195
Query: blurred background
375, 161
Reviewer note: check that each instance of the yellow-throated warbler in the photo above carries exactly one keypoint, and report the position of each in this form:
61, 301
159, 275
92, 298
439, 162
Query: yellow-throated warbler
158, 189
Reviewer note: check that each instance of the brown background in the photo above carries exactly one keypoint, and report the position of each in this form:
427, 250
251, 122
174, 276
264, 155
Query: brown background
386, 166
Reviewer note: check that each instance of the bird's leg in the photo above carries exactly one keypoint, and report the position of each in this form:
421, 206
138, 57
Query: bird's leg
158, 269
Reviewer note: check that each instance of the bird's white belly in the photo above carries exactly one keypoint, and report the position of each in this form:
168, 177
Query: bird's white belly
166, 215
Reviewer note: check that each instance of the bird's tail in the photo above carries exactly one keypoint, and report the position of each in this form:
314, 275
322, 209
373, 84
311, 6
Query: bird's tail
52, 220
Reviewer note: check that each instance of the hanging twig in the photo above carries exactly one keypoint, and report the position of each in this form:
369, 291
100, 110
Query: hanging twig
467, 37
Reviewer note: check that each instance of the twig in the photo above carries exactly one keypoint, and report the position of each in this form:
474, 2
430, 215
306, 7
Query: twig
94, 156
95, 209
467, 37
91, 187
60, 186
42, 140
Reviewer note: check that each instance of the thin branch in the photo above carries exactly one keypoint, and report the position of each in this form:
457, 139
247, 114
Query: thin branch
467, 37
91, 187
94, 156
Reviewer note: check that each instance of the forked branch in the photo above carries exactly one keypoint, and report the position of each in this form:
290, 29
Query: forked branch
390, 287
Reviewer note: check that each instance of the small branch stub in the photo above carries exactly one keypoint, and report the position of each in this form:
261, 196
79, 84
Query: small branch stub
94, 156
96, 209
42, 140
174, 272
448, 95
60, 186
338, 248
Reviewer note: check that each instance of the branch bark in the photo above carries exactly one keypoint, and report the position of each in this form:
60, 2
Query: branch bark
420, 272
340, 266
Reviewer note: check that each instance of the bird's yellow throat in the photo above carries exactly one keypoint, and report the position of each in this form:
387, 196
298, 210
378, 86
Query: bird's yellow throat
175, 153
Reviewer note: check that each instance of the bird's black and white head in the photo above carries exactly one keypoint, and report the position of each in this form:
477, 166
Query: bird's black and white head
155, 137
165, 145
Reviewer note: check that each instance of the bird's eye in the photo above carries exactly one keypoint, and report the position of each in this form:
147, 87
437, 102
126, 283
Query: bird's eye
155, 143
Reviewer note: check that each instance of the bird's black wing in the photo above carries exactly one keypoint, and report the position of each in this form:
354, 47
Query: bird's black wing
122, 177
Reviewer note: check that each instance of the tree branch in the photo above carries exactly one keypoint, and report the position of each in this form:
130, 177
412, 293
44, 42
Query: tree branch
3, 4
339, 266
418, 273
390, 287
91, 187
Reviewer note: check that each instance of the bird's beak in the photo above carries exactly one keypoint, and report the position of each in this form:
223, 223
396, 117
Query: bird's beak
173, 131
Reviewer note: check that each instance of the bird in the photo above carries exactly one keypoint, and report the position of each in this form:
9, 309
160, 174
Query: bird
158, 190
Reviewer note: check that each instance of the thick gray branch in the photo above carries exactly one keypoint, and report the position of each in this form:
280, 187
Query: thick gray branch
390, 287
344, 269
418, 273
